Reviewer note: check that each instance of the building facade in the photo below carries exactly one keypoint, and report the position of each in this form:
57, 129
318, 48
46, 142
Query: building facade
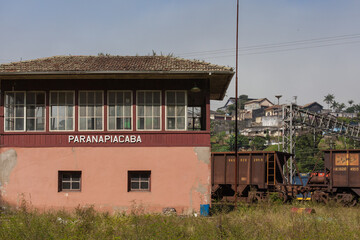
113, 132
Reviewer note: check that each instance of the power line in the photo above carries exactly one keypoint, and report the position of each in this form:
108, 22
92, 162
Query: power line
279, 45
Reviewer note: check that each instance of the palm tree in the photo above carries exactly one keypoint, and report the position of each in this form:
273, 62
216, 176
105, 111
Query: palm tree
351, 102
341, 106
329, 99
334, 105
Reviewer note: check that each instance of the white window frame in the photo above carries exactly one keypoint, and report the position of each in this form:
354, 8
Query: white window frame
25, 111
186, 113
131, 108
137, 116
102, 107
74, 115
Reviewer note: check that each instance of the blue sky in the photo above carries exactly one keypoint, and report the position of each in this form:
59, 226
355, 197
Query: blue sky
294, 48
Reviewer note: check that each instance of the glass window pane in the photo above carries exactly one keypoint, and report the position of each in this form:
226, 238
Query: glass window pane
40, 98
9, 99
148, 98
140, 110
40, 111
156, 98
127, 123
127, 111
91, 123
30, 124
53, 125
148, 123
70, 98
180, 98
156, 110
19, 124
61, 98
180, 123
99, 98
90, 98
30, 111
144, 185
53, 98
119, 123
112, 111
53, 111
180, 111
111, 98
148, 111
19, 98
75, 185
99, 111
61, 124
171, 123
30, 98
19, 111
98, 123
171, 111
170, 98
61, 110
40, 124
156, 123
128, 98
90, 111
69, 111
66, 185
82, 123
134, 185
69, 123
112, 123
119, 111
82, 111
140, 98
120, 98
82, 98
141, 123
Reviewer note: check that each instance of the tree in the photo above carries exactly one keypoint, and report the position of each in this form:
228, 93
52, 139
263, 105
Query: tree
242, 142
258, 143
307, 152
334, 105
351, 102
329, 99
340, 107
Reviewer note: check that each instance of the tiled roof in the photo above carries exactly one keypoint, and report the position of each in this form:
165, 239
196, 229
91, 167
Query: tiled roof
109, 63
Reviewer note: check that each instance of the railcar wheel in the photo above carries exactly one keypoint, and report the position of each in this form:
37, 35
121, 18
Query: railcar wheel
283, 196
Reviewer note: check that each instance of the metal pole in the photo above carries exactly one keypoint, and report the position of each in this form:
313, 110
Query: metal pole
236, 102
291, 143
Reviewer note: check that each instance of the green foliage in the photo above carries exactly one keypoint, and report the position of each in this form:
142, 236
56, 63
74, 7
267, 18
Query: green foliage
307, 152
258, 143
242, 142
260, 221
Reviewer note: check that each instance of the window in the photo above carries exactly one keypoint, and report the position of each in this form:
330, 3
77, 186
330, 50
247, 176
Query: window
90, 110
62, 111
139, 180
148, 110
24, 111
175, 110
119, 110
69, 181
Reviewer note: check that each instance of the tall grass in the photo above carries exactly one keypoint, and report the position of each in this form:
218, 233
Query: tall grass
261, 221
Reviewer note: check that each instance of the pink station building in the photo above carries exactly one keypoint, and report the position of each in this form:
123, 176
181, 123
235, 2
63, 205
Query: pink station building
114, 132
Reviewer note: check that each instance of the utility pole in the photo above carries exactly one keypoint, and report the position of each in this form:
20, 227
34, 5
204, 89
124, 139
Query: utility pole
278, 130
236, 101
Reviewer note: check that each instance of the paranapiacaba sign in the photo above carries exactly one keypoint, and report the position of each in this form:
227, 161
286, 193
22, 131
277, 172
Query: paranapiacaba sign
104, 139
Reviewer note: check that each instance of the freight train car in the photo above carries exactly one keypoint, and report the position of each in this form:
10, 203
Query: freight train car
340, 179
259, 173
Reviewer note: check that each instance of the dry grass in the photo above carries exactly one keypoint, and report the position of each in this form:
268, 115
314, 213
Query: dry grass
262, 221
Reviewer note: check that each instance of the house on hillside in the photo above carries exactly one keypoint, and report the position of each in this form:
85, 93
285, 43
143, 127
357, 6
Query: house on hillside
313, 107
115, 132
258, 104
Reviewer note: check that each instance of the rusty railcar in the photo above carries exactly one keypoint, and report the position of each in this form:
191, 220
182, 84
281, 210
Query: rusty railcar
259, 172
340, 179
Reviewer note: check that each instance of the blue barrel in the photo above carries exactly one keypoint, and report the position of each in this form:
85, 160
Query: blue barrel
204, 209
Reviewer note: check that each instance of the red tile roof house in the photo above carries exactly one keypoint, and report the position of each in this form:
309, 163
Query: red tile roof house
108, 131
